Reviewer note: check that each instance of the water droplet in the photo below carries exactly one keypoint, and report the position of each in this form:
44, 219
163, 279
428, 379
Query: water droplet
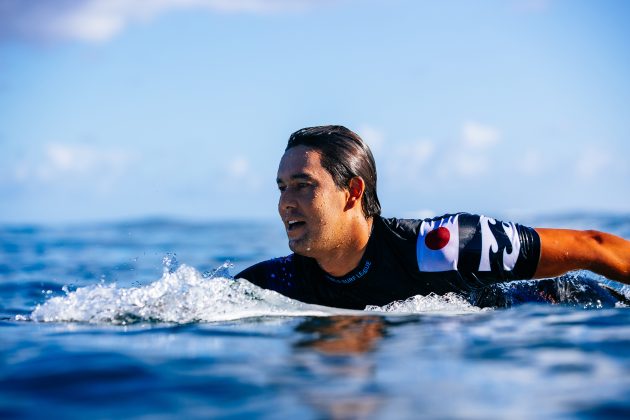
221, 271
170, 263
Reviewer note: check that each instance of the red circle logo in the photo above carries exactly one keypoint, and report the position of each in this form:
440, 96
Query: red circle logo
438, 238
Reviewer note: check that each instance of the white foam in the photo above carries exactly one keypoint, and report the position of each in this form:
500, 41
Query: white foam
180, 296
184, 295
448, 304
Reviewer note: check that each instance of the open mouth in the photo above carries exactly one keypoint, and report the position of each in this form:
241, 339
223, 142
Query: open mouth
294, 224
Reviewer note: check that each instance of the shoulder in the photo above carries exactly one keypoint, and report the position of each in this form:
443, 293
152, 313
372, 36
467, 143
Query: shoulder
265, 269
285, 275
415, 227
405, 228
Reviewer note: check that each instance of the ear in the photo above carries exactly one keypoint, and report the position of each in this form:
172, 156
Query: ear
356, 187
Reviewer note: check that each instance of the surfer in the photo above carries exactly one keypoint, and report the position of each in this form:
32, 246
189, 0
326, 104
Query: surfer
346, 255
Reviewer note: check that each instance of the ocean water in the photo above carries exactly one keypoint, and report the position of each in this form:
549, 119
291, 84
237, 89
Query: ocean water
142, 319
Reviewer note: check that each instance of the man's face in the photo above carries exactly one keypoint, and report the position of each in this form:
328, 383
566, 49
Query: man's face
311, 206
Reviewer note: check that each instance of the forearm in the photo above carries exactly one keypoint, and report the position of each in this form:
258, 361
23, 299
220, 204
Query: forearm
564, 250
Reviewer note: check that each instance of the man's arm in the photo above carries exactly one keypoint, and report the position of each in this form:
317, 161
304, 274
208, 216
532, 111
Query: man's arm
564, 250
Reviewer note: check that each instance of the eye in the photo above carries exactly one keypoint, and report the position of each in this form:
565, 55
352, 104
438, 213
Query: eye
282, 188
302, 185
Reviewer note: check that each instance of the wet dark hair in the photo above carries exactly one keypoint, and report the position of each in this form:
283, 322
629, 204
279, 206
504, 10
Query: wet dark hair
345, 156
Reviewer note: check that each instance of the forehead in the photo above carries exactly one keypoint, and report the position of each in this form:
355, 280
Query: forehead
301, 160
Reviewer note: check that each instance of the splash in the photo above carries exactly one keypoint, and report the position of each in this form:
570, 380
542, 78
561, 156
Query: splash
182, 295
450, 303
575, 289
625, 291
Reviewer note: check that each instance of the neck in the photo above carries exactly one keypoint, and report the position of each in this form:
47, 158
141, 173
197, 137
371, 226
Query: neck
347, 255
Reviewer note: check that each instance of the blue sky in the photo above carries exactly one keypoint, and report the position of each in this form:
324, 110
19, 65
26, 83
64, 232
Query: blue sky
113, 109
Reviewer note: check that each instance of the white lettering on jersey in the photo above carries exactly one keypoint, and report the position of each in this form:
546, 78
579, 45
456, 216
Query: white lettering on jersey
488, 242
440, 250
509, 259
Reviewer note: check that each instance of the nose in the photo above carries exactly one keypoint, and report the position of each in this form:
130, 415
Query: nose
286, 201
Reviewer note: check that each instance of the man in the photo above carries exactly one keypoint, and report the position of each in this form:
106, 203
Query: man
347, 255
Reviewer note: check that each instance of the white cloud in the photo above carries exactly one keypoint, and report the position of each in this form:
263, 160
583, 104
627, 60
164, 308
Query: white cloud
591, 163
63, 161
372, 136
240, 173
531, 163
406, 161
238, 167
415, 154
100, 20
471, 165
479, 136
446, 161
419, 214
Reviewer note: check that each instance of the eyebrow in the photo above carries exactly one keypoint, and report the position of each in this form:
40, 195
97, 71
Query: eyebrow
301, 176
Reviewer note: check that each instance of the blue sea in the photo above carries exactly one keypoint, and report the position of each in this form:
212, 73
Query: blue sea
141, 319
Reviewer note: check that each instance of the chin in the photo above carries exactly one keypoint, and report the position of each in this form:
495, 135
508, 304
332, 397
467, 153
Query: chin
301, 247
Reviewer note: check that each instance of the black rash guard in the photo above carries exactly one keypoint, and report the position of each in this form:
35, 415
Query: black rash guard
453, 253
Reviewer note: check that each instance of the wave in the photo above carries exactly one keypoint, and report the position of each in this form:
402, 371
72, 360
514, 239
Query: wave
184, 295
575, 289
448, 304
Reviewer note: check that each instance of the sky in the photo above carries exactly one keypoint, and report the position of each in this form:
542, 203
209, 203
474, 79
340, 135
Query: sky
117, 110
